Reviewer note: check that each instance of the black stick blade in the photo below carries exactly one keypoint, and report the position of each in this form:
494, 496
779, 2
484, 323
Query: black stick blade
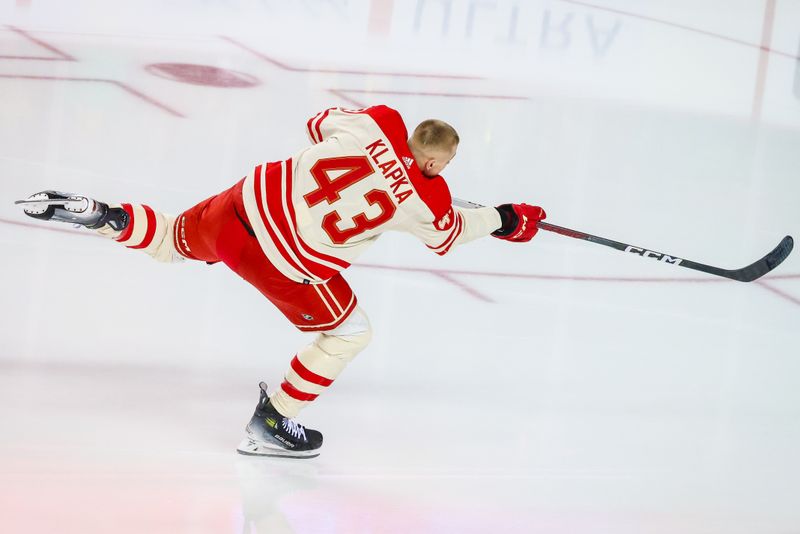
765, 264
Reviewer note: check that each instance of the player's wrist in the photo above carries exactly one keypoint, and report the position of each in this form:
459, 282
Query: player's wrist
509, 220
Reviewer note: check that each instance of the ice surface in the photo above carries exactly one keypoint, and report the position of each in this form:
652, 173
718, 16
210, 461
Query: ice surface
557, 387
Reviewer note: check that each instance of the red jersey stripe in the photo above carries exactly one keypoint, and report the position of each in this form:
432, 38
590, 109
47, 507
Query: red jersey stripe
292, 219
451, 239
310, 127
451, 236
274, 180
319, 124
258, 184
446, 250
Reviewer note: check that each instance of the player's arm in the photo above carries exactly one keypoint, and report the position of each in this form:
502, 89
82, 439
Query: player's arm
456, 227
511, 222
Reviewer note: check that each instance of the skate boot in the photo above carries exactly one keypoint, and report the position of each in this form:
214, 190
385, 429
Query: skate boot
271, 434
75, 209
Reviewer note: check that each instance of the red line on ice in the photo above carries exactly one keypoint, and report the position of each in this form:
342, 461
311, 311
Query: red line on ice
431, 93
125, 87
346, 98
63, 56
683, 27
288, 67
444, 275
778, 292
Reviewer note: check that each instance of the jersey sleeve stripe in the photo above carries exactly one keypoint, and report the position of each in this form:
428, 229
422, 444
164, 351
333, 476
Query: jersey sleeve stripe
313, 125
457, 229
311, 130
319, 123
453, 241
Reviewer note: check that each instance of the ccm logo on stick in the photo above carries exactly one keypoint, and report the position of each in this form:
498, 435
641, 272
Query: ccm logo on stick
657, 255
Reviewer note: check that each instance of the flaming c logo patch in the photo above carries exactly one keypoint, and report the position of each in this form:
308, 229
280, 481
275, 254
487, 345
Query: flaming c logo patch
446, 221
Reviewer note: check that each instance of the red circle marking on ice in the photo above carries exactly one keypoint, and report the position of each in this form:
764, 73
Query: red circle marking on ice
201, 75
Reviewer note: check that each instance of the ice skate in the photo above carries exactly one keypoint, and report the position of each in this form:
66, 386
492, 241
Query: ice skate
271, 434
75, 209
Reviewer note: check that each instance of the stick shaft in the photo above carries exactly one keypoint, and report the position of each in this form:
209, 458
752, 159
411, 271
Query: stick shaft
745, 274
624, 247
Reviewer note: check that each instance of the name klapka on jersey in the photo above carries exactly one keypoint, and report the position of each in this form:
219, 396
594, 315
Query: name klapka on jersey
391, 169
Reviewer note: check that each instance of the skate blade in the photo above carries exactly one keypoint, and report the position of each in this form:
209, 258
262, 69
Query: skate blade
250, 447
47, 202
37, 206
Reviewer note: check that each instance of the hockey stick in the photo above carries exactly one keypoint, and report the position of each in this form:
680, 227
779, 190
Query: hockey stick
752, 272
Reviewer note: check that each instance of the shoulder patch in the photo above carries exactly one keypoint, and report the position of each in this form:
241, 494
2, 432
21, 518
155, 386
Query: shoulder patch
446, 221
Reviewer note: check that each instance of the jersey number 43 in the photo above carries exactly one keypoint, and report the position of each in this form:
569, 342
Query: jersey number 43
355, 168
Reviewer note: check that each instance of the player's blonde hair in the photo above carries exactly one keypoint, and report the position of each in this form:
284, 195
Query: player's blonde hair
433, 134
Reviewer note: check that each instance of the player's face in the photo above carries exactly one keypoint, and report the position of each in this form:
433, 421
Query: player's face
438, 161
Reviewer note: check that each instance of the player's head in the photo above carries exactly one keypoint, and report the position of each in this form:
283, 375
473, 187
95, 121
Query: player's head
433, 144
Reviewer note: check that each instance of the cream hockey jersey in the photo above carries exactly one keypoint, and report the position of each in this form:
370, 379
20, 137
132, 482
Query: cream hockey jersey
314, 213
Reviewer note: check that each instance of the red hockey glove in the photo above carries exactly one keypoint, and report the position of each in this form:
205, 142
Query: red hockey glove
519, 222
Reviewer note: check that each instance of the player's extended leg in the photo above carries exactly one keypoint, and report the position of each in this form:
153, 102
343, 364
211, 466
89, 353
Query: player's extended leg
134, 225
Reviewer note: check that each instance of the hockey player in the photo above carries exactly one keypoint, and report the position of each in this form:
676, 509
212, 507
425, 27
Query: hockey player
290, 227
